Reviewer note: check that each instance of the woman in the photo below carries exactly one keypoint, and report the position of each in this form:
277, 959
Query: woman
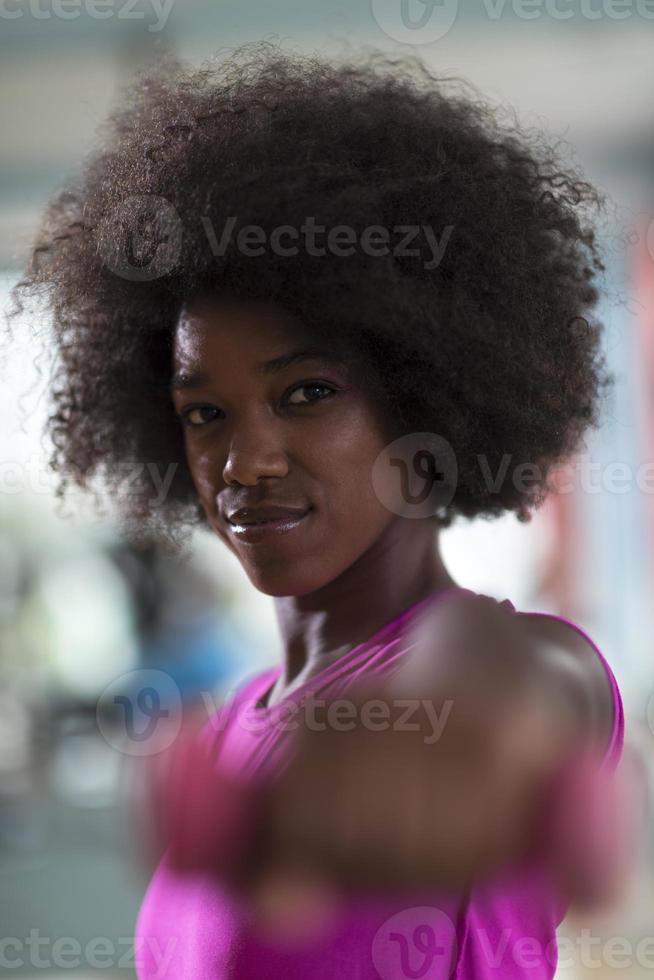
333, 300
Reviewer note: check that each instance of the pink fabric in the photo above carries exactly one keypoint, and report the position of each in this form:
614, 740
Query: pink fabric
190, 927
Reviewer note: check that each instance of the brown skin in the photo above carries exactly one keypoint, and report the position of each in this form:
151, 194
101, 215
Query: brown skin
524, 693
354, 566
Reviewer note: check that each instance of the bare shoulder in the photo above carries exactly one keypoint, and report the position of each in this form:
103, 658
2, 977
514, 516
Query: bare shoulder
566, 650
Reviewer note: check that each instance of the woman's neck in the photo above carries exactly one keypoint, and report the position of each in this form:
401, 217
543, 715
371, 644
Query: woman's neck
402, 567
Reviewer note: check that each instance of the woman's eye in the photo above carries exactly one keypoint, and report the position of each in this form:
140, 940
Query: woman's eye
307, 387
186, 416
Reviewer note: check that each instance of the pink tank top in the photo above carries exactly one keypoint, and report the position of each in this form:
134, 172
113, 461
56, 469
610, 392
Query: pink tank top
190, 927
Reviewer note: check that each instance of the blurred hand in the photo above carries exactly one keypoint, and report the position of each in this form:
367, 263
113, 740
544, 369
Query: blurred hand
390, 807
398, 807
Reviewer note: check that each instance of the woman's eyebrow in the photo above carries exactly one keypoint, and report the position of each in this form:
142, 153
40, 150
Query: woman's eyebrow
184, 381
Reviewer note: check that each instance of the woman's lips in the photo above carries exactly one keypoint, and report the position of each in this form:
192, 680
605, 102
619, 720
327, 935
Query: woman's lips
264, 530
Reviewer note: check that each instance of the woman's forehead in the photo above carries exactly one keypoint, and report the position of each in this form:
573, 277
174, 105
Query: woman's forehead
256, 329
208, 312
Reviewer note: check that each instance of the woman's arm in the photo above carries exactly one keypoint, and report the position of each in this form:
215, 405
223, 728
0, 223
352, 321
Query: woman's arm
575, 665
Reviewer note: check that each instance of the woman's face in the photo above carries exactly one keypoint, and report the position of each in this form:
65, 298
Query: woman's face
300, 434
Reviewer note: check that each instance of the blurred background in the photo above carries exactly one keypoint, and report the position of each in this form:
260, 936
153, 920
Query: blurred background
80, 609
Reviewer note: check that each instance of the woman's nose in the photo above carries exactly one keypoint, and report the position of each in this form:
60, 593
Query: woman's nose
256, 449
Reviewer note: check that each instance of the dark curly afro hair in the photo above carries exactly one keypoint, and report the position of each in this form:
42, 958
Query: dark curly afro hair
493, 348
